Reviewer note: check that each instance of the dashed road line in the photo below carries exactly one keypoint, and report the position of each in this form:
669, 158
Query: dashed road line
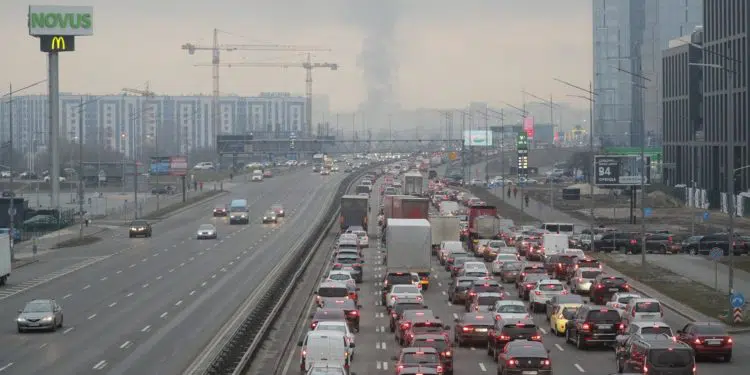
100, 365
578, 367
26, 285
92, 316
146, 329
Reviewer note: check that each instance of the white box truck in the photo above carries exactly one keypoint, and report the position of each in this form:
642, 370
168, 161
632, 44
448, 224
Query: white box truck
407, 244
5, 264
444, 228
554, 243
448, 208
414, 184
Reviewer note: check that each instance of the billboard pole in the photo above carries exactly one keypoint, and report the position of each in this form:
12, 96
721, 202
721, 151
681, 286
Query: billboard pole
54, 126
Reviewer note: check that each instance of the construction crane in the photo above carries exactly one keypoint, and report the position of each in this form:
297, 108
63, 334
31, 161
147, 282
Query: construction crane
147, 93
216, 49
307, 65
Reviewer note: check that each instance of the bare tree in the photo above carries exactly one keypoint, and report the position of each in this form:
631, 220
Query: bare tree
69, 155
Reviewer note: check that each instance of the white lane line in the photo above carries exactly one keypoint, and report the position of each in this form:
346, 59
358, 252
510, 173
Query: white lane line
129, 294
481, 367
118, 272
444, 292
385, 366
377, 345
544, 331
382, 328
43, 346
126, 345
132, 265
203, 283
157, 254
178, 303
441, 284
578, 367
473, 348
145, 329
67, 296
144, 259
113, 304
193, 258
144, 285
67, 330
100, 365
455, 316
105, 277
6, 367
92, 316
560, 348
182, 264
383, 346
163, 315
86, 287
171, 270
192, 292
160, 277
378, 365
213, 276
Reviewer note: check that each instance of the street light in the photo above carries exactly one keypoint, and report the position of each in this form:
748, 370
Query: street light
729, 76
591, 99
549, 103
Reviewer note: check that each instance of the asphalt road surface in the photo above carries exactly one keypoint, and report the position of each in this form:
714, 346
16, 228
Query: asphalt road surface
149, 305
376, 344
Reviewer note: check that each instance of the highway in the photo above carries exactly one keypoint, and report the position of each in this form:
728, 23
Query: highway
149, 305
376, 344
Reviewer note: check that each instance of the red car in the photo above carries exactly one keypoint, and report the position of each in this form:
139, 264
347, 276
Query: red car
220, 211
707, 339
424, 326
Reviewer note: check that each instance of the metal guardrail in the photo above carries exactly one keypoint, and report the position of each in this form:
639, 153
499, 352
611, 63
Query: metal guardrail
240, 349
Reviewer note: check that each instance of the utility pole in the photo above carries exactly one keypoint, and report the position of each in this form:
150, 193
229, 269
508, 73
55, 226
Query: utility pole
11, 209
80, 168
463, 146
486, 149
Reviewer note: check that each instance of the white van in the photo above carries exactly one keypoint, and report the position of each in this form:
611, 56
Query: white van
257, 175
554, 243
559, 228
324, 347
643, 309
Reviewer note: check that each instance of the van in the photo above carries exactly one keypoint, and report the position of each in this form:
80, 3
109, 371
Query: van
330, 289
656, 355
554, 243
559, 228
239, 213
643, 309
324, 347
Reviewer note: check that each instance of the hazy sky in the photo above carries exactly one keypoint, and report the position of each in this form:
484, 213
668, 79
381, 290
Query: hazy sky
431, 53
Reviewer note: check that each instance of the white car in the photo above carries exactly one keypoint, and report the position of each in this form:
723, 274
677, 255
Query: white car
61, 179
342, 277
474, 269
510, 310
583, 279
403, 291
364, 240
642, 309
337, 326
620, 300
500, 259
578, 253
257, 175
543, 292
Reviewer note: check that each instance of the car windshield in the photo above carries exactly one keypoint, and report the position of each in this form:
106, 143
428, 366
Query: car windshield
440, 345
417, 358
333, 292
710, 330
512, 266
475, 273
38, 307
624, 300
656, 330
569, 312
566, 259
407, 288
339, 276
277, 207
590, 274
237, 209
331, 327
670, 358
604, 315
511, 309
426, 328
206, 227
139, 223
496, 244
647, 307
550, 287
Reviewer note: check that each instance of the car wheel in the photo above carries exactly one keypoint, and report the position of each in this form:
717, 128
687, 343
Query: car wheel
728, 357
579, 343
61, 322
20, 330
567, 336
692, 251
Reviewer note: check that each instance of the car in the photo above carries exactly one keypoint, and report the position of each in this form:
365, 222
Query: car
543, 292
391, 279
404, 320
593, 325
419, 370
510, 310
207, 231
503, 332
270, 217
361, 233
439, 342
341, 276
423, 325
472, 328
560, 316
458, 264
324, 347
419, 357
530, 281
524, 357
348, 306
139, 228
459, 289
562, 299
509, 272
220, 211
638, 330
353, 269
485, 301
707, 339
530, 268
583, 279
331, 289
278, 209
605, 286
451, 257
560, 267
343, 327
586, 262
620, 300
450, 249
480, 285
402, 291
40, 314
642, 309
327, 314
500, 260
401, 306
267, 173
257, 176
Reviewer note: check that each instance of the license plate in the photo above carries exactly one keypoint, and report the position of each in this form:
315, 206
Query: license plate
613, 289
481, 330
648, 316
529, 373
33, 324
713, 342
604, 326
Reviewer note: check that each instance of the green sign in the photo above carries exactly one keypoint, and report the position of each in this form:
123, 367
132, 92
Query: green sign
522, 141
654, 153
61, 20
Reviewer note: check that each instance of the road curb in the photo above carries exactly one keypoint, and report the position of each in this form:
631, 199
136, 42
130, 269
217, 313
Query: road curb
190, 206
24, 263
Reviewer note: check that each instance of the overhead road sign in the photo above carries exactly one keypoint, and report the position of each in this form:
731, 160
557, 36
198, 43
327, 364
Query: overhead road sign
621, 170
53, 20
57, 43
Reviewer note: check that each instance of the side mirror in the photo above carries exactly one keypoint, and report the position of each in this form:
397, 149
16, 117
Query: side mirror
455, 320
315, 292
299, 343
359, 306
394, 358
446, 327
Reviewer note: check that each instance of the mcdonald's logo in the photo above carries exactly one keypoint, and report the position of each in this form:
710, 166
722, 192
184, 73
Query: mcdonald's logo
57, 43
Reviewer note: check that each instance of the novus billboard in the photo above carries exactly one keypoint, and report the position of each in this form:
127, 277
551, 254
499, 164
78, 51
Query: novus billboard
45, 20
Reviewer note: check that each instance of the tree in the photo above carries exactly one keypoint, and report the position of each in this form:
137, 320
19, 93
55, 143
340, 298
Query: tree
70, 155
582, 161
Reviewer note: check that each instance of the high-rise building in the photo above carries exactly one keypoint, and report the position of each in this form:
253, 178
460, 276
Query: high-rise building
171, 124
628, 37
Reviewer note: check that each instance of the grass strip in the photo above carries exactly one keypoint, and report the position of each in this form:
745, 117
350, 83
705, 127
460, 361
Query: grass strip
74, 242
179, 205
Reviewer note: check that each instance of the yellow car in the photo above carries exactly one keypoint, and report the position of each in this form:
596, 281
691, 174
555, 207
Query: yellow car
560, 316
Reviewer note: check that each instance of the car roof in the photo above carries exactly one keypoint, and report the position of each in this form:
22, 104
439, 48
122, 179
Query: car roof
490, 294
418, 350
40, 300
644, 323
477, 318
551, 281
328, 312
337, 303
324, 333
509, 302
332, 284
433, 336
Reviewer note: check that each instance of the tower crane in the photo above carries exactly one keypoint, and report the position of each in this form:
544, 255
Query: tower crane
147, 93
216, 49
307, 65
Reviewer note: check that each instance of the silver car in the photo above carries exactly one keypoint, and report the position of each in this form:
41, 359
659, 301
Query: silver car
40, 314
270, 217
583, 280
207, 231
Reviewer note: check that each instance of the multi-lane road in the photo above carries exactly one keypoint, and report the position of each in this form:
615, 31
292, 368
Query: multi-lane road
376, 344
148, 306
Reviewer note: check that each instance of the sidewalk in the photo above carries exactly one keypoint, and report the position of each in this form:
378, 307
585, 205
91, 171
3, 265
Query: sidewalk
24, 250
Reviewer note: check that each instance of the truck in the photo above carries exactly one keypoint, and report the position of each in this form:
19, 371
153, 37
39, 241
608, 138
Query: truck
317, 162
436, 161
327, 162
408, 244
448, 208
5, 264
414, 184
475, 212
408, 207
354, 209
487, 226
444, 228
554, 243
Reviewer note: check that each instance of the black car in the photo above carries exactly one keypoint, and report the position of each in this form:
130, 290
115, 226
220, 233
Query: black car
327, 314
459, 289
472, 328
593, 325
391, 279
529, 284
605, 286
420, 357
140, 228
404, 304
503, 332
524, 357
278, 209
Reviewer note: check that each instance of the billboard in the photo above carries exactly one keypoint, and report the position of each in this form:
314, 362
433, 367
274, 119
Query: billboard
168, 166
61, 20
479, 138
622, 170
57, 43
528, 126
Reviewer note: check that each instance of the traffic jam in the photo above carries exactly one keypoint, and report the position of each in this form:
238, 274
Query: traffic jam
443, 284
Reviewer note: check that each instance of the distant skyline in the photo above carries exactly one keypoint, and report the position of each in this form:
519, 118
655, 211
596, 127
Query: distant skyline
433, 54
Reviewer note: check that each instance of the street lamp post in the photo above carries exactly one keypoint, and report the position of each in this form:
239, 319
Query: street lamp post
591, 97
551, 105
522, 111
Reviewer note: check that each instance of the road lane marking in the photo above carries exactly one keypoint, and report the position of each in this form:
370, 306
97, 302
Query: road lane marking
144, 259
481, 367
385, 366
171, 270
182, 264
577, 366
42, 346
145, 285
444, 292
86, 287
118, 272
145, 329
105, 277
67, 330
67, 296
178, 303
383, 346
6, 367
129, 294
158, 277
455, 316
192, 292
378, 365
213, 276
560, 348
377, 345
203, 283
100, 365
132, 265
544, 332
113, 304
163, 315
126, 345
92, 316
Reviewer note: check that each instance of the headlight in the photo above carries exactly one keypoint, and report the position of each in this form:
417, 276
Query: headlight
265, 218
20, 320
47, 318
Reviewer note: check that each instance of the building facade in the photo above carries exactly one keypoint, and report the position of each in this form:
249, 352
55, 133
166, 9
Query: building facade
682, 111
170, 124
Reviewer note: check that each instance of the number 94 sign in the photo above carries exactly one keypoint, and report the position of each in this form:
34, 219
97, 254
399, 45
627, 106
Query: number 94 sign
623, 170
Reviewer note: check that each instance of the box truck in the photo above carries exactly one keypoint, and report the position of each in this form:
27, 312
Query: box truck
405, 207
353, 212
444, 228
414, 184
5, 264
408, 244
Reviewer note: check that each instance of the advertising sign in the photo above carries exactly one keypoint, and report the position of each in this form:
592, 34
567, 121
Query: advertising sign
168, 166
528, 126
47, 20
479, 138
57, 43
178, 165
622, 170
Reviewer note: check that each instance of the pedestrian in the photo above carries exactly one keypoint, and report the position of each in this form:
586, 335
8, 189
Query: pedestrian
201, 185
515, 192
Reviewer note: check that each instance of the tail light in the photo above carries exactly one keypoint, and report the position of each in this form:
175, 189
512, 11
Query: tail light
354, 313
729, 340
304, 353
511, 363
405, 326
580, 279
529, 286
599, 286
621, 326
564, 292
546, 363
447, 353
585, 327
440, 369
538, 293
466, 329
523, 273
633, 242
669, 240
697, 342
503, 338
536, 338
313, 325
399, 368
626, 287
472, 294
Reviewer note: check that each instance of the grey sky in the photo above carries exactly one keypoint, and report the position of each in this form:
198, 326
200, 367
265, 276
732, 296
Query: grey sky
440, 53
